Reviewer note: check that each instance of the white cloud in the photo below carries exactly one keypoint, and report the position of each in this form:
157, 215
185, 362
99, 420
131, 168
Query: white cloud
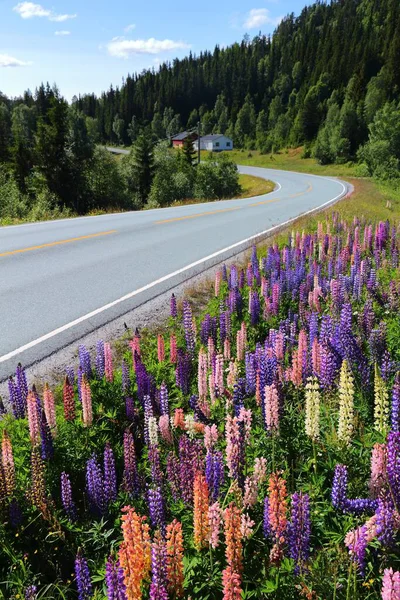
130, 27
9, 61
258, 17
29, 10
63, 32
124, 48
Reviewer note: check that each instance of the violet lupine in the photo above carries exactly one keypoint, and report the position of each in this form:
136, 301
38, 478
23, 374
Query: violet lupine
31, 592
130, 475
254, 308
46, 440
164, 404
155, 464
214, 472
66, 497
84, 361
173, 307
385, 521
183, 371
110, 476
188, 326
395, 409
393, 465
108, 364
157, 509
83, 579
339, 487
158, 586
299, 531
22, 384
266, 524
95, 487
116, 588
100, 361
15, 398
190, 461
130, 408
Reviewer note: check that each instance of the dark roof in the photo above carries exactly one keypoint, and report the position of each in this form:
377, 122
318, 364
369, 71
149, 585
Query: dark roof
182, 136
212, 137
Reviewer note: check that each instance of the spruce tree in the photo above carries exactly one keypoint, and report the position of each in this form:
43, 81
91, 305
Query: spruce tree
143, 162
188, 151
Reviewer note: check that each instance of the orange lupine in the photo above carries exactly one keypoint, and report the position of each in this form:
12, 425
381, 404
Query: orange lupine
231, 584
135, 552
277, 511
69, 400
50, 409
7, 462
33, 418
200, 511
86, 393
233, 537
179, 419
175, 559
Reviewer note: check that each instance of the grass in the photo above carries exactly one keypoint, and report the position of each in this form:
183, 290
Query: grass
254, 186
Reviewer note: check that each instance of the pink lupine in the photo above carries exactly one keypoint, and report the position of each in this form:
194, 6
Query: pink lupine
378, 479
241, 342
202, 374
391, 585
254, 481
210, 352
258, 389
108, 362
271, 408
50, 409
173, 349
232, 434
219, 374
246, 527
279, 345
215, 524
165, 429
160, 348
316, 357
7, 462
135, 347
227, 349
232, 374
245, 417
296, 372
217, 286
87, 412
210, 436
211, 387
33, 418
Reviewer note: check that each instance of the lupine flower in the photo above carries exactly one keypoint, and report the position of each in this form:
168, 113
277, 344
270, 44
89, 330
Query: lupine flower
126, 380
339, 487
33, 418
165, 430
231, 585
395, 412
68, 399
233, 538
100, 361
200, 512
277, 507
50, 409
116, 588
135, 552
188, 326
31, 592
66, 496
357, 541
173, 350
37, 490
215, 524
393, 465
129, 478
299, 530
246, 526
86, 394
155, 464
266, 527
175, 559
110, 476
160, 348
153, 431
16, 400
378, 479
214, 472
83, 579
164, 403
346, 406
385, 521
22, 386
218, 279
210, 436
46, 444
234, 447
381, 409
84, 361
391, 585
158, 586
190, 461
108, 365
95, 486
253, 482
7, 462
313, 400
271, 408
157, 509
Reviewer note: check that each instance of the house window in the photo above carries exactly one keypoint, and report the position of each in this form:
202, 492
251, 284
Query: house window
228, 144
217, 144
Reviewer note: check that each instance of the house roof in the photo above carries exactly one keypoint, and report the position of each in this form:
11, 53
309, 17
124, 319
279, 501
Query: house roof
212, 137
182, 136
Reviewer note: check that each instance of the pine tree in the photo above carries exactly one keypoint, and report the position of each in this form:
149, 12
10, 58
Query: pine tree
143, 162
188, 150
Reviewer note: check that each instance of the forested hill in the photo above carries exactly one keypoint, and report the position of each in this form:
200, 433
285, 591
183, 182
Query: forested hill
277, 90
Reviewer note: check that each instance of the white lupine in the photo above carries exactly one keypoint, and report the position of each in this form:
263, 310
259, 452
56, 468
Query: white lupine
346, 404
381, 408
153, 431
313, 401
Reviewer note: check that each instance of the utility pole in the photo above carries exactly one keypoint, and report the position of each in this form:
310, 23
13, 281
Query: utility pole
198, 141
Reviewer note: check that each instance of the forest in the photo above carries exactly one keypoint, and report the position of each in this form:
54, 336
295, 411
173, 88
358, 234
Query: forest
327, 80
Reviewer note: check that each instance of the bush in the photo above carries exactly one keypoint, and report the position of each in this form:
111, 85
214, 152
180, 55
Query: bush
216, 178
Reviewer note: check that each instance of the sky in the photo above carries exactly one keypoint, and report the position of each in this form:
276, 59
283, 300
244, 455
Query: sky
84, 46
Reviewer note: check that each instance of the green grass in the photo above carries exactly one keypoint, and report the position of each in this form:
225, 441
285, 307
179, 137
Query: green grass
254, 186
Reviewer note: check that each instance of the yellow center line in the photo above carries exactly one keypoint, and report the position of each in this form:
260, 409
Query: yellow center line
69, 241
197, 215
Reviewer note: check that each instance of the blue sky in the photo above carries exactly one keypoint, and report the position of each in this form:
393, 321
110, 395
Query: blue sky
86, 45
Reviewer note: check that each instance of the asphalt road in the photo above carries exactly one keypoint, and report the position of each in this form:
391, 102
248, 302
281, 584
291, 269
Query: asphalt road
62, 279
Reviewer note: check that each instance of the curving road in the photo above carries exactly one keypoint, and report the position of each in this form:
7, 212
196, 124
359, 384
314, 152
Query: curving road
60, 280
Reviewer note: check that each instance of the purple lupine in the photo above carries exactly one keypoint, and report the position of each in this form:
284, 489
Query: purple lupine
46, 439
83, 579
358, 547
158, 586
31, 592
164, 404
130, 475
222, 327
157, 509
266, 523
22, 384
299, 531
190, 461
70, 373
214, 473
66, 497
254, 308
100, 360
339, 487
80, 375
188, 326
385, 521
199, 416
393, 465
95, 487
84, 361
126, 380
250, 374
183, 371
173, 307
238, 395
16, 401
129, 408
395, 408
173, 473
110, 476
15, 513
155, 464
148, 412
115, 580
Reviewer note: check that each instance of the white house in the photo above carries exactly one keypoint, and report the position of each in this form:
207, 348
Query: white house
214, 143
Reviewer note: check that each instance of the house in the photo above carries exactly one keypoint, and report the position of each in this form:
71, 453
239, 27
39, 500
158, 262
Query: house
179, 139
214, 143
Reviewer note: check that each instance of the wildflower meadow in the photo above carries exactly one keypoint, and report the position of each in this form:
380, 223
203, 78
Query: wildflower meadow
250, 451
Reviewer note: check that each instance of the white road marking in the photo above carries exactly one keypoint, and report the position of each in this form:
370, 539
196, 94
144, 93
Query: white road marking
98, 311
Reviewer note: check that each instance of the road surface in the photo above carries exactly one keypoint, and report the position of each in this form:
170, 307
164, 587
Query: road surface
60, 280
